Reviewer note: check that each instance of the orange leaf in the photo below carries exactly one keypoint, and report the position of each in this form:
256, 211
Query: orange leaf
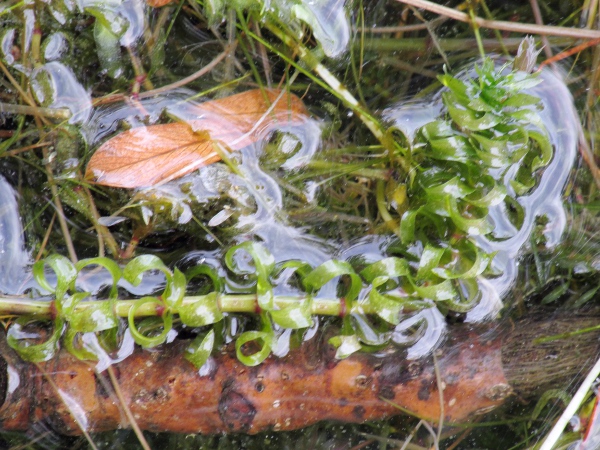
158, 3
155, 154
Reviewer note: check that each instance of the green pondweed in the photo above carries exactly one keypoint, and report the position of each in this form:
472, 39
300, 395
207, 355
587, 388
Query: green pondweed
485, 149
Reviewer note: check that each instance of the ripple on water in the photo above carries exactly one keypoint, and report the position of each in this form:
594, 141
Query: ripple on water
13, 257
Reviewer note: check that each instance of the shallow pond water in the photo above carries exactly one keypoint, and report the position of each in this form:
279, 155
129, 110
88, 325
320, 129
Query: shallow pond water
324, 187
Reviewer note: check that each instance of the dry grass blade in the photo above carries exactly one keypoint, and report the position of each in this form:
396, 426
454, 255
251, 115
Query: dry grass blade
545, 30
156, 154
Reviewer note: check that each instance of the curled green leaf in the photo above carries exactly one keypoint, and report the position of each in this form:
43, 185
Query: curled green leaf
149, 340
202, 310
19, 341
65, 272
111, 266
329, 270
200, 349
346, 345
264, 264
261, 338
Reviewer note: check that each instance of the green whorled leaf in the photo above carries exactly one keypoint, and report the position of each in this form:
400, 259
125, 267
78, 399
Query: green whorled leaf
467, 268
436, 130
545, 148
108, 49
265, 338
263, 260
264, 264
467, 119
487, 72
491, 160
436, 292
111, 266
520, 100
149, 341
527, 117
96, 316
66, 307
455, 148
209, 272
453, 187
215, 11
346, 345
329, 270
200, 349
295, 316
385, 306
389, 307
494, 194
520, 81
493, 151
175, 289
301, 268
17, 340
328, 22
407, 226
523, 183
463, 305
378, 274
108, 13
458, 88
175, 281
436, 205
370, 337
480, 105
430, 259
473, 227
202, 310
134, 270
65, 275
494, 96
387, 268
77, 350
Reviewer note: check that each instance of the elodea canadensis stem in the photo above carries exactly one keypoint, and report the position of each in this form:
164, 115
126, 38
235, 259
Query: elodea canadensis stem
479, 368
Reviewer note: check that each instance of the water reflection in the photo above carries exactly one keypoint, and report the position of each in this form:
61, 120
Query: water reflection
14, 259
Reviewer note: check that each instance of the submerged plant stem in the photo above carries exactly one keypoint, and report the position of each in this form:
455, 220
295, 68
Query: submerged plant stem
52, 113
230, 303
336, 88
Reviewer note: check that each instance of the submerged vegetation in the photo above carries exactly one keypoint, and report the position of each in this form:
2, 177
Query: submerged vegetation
300, 167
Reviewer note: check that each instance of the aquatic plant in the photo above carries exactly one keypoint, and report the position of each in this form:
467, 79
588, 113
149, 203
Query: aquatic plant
382, 224
489, 140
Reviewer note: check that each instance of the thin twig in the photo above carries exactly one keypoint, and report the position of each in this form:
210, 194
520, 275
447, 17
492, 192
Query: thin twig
17, 151
169, 87
440, 384
105, 237
460, 438
59, 209
546, 30
570, 52
46, 238
68, 405
127, 410
264, 57
537, 15
53, 113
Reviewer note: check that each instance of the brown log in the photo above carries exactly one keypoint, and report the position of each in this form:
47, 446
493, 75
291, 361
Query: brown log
166, 393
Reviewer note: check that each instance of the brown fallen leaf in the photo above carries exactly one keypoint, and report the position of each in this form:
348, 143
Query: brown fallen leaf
147, 156
158, 3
